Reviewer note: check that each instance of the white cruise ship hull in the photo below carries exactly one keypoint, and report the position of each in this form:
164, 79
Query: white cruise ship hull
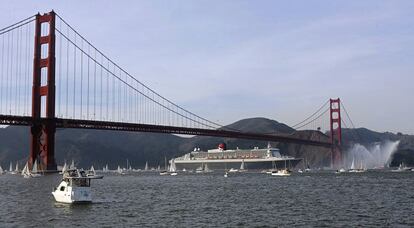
249, 164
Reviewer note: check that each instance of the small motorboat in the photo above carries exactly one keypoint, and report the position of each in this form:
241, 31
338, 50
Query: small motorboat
75, 187
232, 170
164, 172
341, 170
281, 172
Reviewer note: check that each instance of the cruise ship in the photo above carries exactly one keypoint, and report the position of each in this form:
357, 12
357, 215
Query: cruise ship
223, 159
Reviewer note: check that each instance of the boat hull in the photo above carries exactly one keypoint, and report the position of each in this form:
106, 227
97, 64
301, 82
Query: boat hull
257, 164
73, 195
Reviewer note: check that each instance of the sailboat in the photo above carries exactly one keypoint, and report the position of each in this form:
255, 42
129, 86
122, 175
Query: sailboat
16, 171
200, 169
273, 169
146, 166
35, 170
282, 172
65, 167
91, 172
11, 167
356, 170
26, 173
120, 171
206, 169
72, 165
401, 168
242, 168
1, 170
105, 168
165, 171
173, 168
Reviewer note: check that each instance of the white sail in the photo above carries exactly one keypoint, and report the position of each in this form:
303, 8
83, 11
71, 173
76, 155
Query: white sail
92, 169
146, 166
34, 168
206, 168
65, 167
11, 167
353, 163
1, 170
72, 165
106, 168
242, 165
17, 167
172, 166
119, 170
25, 169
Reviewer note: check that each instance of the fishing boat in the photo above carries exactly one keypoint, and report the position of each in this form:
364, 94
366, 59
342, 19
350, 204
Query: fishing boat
75, 187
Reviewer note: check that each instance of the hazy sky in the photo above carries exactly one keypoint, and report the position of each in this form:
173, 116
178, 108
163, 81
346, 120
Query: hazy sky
228, 60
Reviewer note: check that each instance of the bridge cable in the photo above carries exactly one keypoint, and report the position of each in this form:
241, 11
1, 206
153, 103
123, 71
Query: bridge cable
146, 87
316, 112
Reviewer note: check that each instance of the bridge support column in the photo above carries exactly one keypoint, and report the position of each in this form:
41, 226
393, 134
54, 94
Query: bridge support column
336, 133
43, 130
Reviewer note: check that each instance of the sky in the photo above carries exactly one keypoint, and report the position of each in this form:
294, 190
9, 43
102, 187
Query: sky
229, 60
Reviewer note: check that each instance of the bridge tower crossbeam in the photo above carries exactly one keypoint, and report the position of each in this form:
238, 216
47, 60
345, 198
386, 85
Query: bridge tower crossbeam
42, 143
335, 132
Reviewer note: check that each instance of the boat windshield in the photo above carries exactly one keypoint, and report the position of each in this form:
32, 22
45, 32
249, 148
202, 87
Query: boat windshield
81, 182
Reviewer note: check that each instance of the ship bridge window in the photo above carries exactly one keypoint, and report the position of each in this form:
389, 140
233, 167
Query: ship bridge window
62, 188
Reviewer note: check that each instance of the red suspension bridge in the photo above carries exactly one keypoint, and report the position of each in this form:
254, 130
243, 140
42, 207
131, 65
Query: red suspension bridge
52, 77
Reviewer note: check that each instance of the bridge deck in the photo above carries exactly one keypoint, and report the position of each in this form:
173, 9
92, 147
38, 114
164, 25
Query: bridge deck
117, 126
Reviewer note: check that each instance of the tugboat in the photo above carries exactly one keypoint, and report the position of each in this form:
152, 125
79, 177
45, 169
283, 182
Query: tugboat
75, 187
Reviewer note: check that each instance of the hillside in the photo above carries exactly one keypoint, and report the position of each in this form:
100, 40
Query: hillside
99, 147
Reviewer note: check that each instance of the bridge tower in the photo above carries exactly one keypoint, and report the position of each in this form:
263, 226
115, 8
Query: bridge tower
42, 143
336, 133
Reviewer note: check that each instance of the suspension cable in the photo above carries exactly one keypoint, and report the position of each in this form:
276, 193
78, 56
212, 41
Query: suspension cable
317, 111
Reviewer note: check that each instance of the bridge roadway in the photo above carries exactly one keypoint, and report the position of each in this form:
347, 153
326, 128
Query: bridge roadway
118, 126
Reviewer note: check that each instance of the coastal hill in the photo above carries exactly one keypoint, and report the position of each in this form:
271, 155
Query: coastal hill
99, 147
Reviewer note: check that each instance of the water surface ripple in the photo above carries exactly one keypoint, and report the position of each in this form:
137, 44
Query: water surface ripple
372, 199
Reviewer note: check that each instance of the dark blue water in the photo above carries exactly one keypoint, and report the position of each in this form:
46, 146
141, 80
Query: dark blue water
371, 199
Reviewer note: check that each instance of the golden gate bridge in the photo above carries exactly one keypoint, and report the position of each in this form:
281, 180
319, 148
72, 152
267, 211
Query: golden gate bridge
52, 77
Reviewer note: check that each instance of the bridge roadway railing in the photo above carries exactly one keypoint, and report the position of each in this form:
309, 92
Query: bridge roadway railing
118, 126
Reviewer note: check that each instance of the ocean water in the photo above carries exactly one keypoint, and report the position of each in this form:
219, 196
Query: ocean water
371, 199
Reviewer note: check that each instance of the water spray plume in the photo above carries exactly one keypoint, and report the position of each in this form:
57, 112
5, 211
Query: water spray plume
376, 156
